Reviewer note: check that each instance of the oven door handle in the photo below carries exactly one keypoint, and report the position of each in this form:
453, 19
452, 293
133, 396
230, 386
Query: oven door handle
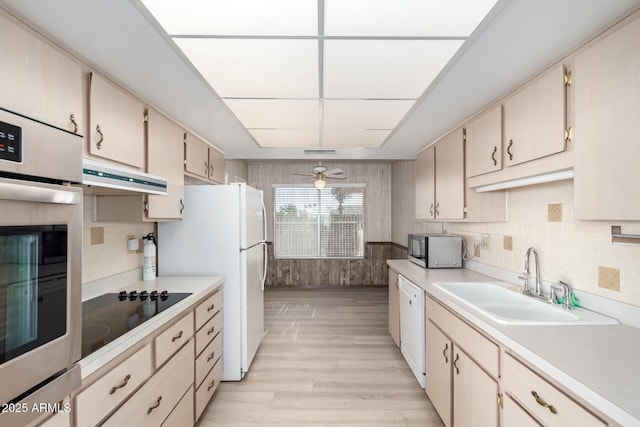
39, 194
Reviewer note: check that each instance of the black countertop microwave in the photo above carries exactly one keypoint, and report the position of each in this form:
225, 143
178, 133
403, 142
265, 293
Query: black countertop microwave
431, 250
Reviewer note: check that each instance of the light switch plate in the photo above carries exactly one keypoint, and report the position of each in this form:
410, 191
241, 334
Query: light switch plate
484, 241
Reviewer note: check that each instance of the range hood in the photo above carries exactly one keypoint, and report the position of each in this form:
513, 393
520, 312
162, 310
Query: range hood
110, 179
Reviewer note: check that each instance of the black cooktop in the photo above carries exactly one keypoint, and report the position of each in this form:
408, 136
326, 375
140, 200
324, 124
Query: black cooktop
107, 317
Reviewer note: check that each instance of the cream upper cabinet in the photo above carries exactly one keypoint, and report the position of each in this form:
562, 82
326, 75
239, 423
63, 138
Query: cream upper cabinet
196, 156
116, 130
38, 80
484, 143
535, 119
164, 158
425, 184
607, 96
449, 201
216, 165
394, 307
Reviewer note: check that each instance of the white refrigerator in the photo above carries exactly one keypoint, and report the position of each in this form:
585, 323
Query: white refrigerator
223, 233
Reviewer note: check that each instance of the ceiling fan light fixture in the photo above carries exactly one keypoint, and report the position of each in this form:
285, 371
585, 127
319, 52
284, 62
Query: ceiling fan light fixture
320, 183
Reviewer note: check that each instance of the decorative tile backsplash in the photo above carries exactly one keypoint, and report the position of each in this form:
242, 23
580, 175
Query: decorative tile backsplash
573, 251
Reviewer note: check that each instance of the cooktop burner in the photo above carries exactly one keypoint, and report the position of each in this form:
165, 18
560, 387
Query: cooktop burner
107, 317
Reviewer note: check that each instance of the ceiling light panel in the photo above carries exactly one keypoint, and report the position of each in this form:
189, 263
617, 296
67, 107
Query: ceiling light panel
236, 17
383, 69
256, 68
353, 138
286, 138
277, 113
421, 18
364, 114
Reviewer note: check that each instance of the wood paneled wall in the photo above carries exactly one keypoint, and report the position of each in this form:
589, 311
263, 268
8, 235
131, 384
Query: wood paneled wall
376, 176
372, 270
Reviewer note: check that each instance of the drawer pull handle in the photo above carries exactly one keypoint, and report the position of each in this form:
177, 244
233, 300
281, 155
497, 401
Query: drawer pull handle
455, 364
444, 353
210, 331
124, 383
211, 307
151, 408
177, 337
211, 356
211, 385
541, 402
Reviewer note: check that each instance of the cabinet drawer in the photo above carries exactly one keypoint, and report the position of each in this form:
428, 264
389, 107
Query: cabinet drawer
208, 358
208, 387
173, 338
521, 383
484, 352
208, 308
151, 405
208, 331
182, 414
97, 400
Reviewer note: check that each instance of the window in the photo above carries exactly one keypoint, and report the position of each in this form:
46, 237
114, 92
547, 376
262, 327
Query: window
312, 223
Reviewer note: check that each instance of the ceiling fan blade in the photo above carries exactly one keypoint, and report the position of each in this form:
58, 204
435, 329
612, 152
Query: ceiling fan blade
303, 174
336, 177
334, 172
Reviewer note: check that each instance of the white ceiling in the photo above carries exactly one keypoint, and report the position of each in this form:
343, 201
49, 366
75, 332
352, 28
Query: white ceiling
361, 83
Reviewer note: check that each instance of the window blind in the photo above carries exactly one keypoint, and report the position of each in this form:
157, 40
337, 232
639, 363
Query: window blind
312, 223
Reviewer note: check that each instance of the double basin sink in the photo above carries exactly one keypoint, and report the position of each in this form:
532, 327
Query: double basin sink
501, 303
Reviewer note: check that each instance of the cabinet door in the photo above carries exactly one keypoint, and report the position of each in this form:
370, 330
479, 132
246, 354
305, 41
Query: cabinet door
164, 158
116, 124
438, 371
196, 158
607, 98
216, 165
534, 119
484, 143
394, 307
38, 80
474, 393
513, 415
425, 184
450, 176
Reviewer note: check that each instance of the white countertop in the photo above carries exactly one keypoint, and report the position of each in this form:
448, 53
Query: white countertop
198, 286
597, 363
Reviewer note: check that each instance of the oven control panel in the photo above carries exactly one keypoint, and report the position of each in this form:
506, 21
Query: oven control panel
10, 142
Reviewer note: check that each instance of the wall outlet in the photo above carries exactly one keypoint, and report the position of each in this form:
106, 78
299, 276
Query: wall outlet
484, 241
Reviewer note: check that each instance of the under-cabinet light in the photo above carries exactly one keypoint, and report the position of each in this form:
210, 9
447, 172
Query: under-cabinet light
531, 180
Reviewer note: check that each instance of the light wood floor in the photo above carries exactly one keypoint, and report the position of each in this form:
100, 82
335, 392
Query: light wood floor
327, 359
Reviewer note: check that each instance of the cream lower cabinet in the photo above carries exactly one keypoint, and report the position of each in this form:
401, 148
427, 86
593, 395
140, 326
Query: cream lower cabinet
394, 307
462, 389
542, 400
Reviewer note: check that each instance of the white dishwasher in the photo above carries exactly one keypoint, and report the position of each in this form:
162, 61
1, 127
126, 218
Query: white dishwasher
412, 327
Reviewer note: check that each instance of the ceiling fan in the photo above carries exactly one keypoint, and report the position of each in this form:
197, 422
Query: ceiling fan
321, 174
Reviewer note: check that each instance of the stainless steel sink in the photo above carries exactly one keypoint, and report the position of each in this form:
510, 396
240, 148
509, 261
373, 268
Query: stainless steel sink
504, 305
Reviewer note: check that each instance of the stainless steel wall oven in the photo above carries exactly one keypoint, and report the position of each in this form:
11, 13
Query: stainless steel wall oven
40, 262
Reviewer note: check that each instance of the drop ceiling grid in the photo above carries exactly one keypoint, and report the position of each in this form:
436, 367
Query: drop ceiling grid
319, 73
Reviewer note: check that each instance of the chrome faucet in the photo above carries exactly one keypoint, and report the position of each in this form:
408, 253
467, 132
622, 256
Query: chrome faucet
526, 271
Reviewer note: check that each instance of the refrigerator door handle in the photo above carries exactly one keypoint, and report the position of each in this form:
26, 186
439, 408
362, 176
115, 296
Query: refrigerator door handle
264, 220
264, 263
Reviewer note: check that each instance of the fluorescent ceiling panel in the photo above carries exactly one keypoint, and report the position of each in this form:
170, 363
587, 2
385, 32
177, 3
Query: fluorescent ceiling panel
364, 114
385, 69
236, 17
261, 68
277, 113
353, 139
286, 138
424, 18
